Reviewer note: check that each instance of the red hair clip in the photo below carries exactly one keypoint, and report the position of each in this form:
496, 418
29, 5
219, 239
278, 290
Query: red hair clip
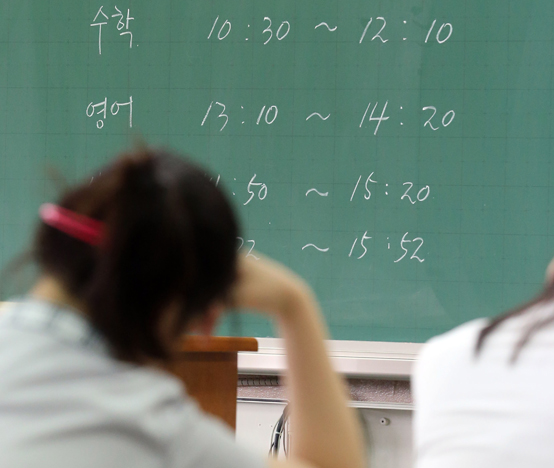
73, 224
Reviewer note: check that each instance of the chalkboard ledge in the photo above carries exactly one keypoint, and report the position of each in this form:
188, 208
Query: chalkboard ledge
350, 358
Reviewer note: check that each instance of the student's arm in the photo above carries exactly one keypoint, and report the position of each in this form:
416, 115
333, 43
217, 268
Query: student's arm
326, 431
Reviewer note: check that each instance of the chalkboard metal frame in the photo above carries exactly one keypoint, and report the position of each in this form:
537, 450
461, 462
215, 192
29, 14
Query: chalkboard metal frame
350, 358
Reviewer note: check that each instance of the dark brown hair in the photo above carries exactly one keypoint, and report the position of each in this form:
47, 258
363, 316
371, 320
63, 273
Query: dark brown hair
545, 296
170, 237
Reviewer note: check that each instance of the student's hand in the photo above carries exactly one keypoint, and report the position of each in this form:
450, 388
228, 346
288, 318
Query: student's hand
268, 286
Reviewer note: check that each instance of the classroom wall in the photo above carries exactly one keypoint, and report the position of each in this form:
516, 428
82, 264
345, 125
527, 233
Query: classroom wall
388, 431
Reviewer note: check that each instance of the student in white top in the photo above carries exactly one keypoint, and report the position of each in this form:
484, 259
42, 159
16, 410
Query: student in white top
483, 392
130, 261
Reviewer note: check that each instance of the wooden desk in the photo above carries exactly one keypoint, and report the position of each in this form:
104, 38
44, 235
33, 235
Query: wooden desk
208, 368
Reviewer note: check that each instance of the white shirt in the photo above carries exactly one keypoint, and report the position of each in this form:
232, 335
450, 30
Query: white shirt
484, 412
65, 403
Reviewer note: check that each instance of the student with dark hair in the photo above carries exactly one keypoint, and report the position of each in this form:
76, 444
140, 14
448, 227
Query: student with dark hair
129, 262
483, 391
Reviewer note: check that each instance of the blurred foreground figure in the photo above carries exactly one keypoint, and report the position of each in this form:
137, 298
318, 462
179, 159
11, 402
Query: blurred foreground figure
129, 262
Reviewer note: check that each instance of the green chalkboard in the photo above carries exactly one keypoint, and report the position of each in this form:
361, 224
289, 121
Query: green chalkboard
398, 154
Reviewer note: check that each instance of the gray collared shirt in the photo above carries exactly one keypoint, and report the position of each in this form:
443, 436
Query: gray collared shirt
66, 403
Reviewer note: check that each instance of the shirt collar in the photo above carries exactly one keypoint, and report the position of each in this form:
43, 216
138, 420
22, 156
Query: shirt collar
62, 321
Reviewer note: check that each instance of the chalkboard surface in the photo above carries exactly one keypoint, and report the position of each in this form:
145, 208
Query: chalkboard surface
398, 154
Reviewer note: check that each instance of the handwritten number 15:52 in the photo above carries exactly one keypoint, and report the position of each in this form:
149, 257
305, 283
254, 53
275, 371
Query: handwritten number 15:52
407, 245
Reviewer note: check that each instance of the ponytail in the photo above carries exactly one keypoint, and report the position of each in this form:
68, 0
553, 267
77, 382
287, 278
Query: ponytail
170, 241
